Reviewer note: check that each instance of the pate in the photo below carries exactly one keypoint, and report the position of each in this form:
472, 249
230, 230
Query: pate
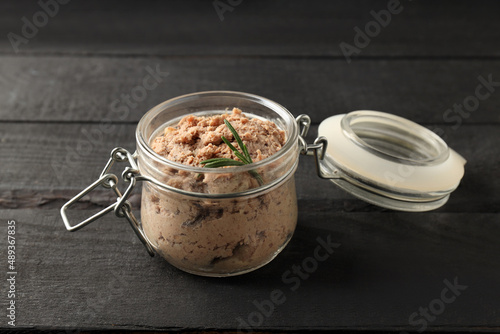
196, 139
226, 235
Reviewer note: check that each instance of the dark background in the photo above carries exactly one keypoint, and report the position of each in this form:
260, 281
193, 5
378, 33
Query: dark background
59, 90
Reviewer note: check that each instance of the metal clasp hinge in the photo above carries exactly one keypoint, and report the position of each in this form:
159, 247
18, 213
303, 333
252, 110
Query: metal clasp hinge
122, 207
318, 148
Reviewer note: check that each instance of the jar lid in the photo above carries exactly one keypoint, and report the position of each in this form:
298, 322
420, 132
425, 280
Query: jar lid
390, 161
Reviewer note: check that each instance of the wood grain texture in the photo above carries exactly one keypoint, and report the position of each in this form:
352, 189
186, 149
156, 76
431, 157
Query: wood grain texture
255, 28
96, 89
63, 108
67, 160
386, 267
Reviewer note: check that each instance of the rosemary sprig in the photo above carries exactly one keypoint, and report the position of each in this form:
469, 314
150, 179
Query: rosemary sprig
244, 156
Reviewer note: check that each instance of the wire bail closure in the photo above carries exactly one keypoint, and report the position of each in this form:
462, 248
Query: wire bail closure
318, 148
122, 207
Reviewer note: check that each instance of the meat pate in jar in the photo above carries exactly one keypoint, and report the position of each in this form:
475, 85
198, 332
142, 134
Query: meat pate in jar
218, 221
221, 236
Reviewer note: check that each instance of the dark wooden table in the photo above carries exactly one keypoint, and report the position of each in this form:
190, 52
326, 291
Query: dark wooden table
65, 80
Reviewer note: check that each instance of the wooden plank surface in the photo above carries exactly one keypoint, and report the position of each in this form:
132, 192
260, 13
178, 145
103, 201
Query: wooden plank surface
308, 28
67, 160
386, 267
96, 89
62, 86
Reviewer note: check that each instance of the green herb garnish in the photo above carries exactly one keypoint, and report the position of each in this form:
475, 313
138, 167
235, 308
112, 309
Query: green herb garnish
244, 156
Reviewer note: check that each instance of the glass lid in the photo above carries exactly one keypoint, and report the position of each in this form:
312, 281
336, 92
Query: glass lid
389, 161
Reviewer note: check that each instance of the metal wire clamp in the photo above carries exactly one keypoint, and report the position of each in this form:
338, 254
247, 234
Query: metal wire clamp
318, 148
122, 207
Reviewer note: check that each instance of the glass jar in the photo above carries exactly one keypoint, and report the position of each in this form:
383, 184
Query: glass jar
228, 221
218, 221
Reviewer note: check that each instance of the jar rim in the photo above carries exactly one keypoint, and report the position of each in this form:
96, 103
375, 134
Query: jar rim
394, 138
291, 132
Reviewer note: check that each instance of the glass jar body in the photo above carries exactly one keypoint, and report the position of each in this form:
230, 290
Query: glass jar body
218, 221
